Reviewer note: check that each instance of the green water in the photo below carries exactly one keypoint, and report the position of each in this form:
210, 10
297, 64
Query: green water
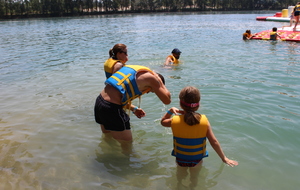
51, 71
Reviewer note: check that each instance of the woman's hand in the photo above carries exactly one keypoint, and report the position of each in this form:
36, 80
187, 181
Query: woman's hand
139, 112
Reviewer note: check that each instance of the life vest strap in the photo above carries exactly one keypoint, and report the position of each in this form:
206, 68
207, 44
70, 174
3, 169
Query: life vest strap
123, 79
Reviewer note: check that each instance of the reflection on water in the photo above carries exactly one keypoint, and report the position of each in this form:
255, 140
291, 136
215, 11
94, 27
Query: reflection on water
130, 170
202, 178
16, 162
133, 170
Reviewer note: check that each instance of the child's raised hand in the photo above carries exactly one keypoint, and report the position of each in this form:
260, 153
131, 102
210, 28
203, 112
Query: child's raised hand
176, 111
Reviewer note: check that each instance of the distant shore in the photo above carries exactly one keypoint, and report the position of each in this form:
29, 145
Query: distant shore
207, 11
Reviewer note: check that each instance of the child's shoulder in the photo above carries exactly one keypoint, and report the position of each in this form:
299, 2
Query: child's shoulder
204, 118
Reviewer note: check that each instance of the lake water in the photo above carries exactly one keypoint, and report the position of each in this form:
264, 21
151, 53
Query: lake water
51, 71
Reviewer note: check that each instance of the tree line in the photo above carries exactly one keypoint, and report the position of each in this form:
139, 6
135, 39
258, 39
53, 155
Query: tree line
46, 8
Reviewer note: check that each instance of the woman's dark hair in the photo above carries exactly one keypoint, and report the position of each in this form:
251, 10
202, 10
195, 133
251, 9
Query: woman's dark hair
117, 48
190, 96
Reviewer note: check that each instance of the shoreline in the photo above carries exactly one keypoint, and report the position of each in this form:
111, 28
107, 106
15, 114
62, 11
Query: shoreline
207, 11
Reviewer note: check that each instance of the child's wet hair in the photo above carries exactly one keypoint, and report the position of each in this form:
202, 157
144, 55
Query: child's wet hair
189, 96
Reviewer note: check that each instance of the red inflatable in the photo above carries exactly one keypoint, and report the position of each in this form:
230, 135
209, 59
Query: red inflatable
286, 34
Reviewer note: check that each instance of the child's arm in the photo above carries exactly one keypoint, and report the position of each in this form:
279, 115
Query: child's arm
217, 147
253, 36
167, 118
279, 36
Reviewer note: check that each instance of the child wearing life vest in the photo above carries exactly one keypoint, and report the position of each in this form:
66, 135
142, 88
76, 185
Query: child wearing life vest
190, 131
273, 34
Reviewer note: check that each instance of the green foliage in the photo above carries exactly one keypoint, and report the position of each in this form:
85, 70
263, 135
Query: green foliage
2, 8
22, 8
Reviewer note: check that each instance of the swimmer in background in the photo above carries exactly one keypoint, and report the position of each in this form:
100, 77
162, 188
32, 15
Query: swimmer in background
247, 35
174, 58
190, 131
274, 35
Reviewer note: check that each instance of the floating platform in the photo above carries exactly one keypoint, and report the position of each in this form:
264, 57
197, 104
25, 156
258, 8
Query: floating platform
286, 34
273, 18
283, 16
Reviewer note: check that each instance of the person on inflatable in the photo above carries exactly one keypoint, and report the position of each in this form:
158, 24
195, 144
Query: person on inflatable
292, 20
296, 14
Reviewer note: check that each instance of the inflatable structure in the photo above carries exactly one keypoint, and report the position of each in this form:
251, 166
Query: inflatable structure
283, 16
286, 34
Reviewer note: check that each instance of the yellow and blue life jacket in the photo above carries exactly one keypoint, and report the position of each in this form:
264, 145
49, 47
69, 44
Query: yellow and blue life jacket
189, 142
273, 35
109, 65
124, 80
